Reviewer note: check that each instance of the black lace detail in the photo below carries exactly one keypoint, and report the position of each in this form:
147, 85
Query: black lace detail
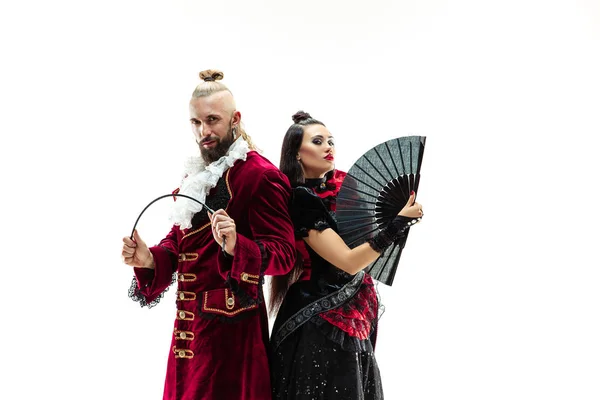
302, 232
244, 298
395, 231
398, 225
136, 295
308, 212
380, 242
217, 198
323, 304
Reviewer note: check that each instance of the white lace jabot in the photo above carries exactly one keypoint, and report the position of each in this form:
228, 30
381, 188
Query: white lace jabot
199, 179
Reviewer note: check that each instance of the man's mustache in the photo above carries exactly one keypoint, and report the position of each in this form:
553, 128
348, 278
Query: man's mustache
210, 139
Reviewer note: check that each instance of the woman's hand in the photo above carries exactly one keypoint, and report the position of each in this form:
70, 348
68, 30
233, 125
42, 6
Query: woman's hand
412, 209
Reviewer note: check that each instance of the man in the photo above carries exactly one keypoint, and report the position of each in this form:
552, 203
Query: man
218, 350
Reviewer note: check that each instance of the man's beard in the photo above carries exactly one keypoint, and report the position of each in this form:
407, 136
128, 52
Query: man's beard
221, 148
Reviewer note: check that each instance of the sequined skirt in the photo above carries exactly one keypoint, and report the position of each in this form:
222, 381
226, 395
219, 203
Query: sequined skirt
320, 361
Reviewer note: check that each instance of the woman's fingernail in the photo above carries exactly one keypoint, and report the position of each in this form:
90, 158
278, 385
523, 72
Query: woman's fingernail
412, 192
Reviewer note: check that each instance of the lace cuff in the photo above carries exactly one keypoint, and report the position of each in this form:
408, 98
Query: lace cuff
136, 295
396, 230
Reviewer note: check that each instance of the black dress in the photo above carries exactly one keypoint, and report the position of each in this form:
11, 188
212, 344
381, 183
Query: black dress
324, 334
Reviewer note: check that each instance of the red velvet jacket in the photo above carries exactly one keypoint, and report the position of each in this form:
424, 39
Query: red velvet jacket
218, 349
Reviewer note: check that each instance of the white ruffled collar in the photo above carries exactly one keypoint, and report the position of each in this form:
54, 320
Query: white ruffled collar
199, 179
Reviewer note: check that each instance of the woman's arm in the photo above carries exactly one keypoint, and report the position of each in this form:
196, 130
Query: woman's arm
329, 245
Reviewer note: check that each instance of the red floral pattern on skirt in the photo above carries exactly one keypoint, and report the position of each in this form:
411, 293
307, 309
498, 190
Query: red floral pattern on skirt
356, 317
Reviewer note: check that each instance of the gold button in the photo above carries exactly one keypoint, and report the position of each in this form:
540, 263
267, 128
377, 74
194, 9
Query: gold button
244, 276
181, 296
181, 314
182, 335
181, 353
182, 257
181, 277
230, 301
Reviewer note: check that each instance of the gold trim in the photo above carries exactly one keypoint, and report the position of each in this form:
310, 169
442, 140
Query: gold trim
196, 231
223, 311
228, 186
187, 315
188, 257
186, 277
182, 296
183, 335
246, 277
183, 353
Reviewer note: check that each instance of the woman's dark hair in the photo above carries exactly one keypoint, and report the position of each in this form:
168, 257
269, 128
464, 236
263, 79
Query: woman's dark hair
290, 166
288, 163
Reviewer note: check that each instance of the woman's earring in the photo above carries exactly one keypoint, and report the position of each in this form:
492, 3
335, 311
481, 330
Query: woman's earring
233, 131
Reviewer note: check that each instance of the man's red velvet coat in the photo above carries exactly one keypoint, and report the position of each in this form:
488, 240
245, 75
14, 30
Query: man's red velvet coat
218, 349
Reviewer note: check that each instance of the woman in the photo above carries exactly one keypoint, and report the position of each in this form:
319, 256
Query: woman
324, 333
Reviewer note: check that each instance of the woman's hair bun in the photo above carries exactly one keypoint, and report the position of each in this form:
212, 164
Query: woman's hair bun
300, 116
211, 75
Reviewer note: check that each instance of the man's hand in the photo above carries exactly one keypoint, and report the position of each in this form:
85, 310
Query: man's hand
136, 253
224, 227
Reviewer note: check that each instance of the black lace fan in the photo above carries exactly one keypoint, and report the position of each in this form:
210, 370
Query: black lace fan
373, 193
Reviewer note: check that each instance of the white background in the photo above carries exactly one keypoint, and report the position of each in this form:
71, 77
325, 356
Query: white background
497, 295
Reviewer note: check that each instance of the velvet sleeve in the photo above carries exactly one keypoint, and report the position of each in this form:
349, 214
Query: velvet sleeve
271, 249
308, 212
148, 285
